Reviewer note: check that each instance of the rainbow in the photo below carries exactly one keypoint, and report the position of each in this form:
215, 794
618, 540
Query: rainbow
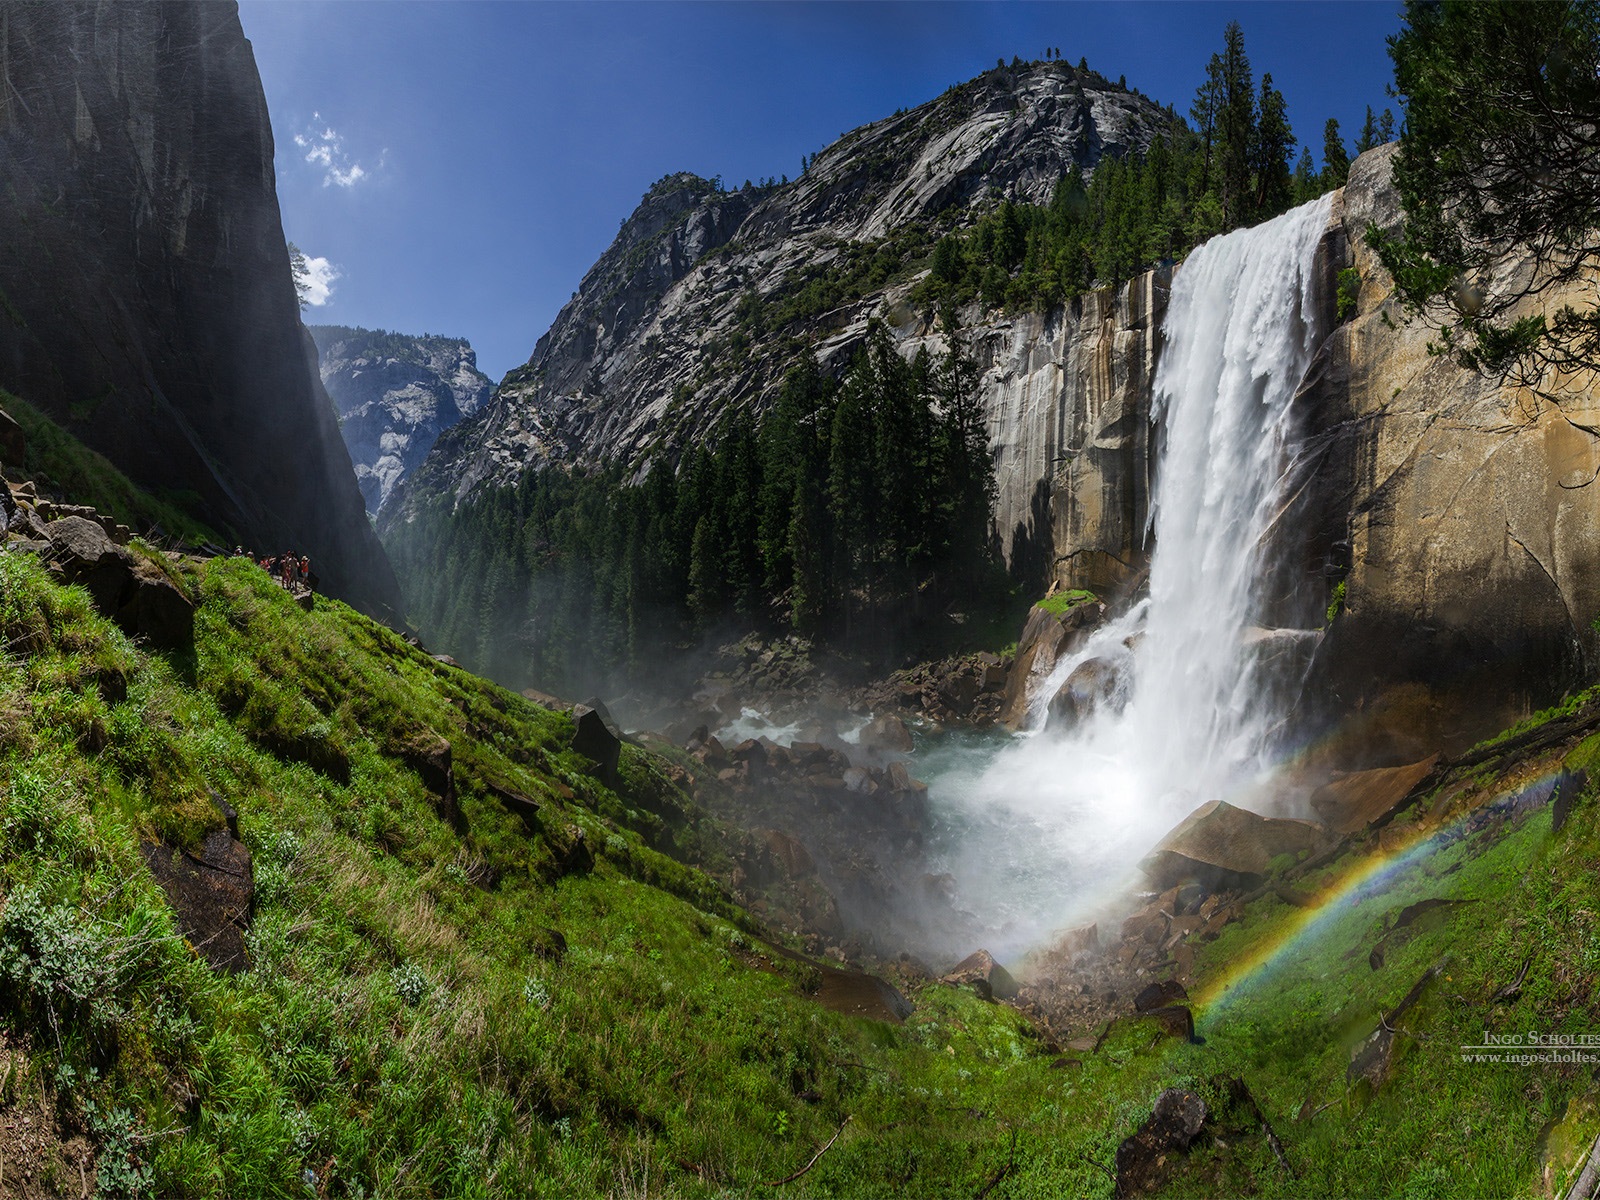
1279, 950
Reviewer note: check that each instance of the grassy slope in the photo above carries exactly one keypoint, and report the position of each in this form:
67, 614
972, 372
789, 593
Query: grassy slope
66, 465
403, 1032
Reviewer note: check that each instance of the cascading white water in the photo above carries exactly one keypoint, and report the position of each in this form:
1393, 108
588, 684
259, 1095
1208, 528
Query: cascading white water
1045, 827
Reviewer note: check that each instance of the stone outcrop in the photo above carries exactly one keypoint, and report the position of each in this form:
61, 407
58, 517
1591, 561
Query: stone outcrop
395, 395
126, 586
148, 305
655, 346
1463, 510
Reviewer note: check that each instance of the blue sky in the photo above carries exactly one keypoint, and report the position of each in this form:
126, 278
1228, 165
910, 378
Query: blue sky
461, 164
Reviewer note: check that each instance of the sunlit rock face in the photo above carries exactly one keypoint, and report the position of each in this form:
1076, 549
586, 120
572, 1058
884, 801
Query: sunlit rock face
657, 345
395, 395
1464, 511
148, 304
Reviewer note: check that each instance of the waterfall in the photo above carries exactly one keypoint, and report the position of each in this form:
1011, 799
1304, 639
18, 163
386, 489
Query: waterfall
1050, 823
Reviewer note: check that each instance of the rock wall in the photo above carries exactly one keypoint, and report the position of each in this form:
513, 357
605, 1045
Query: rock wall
395, 394
1469, 513
146, 301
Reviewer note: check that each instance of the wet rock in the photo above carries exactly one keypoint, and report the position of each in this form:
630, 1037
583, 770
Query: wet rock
988, 978
859, 780
1361, 798
1177, 1120
594, 739
899, 779
888, 732
212, 891
1093, 685
788, 855
1083, 940
1045, 637
1159, 995
526, 808
125, 586
1219, 845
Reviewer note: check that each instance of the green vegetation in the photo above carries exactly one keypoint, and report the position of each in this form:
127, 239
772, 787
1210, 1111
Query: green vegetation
64, 465
1230, 168
1498, 152
857, 511
409, 1027
1067, 598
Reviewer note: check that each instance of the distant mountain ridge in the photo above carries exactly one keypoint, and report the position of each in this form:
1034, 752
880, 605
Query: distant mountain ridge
707, 296
395, 394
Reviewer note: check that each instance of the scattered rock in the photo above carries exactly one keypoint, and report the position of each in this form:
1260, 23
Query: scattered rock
212, 891
789, 855
1092, 685
1372, 1061
1083, 940
1221, 846
988, 978
1178, 1118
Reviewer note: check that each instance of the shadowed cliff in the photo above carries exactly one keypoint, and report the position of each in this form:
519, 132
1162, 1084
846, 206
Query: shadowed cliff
146, 301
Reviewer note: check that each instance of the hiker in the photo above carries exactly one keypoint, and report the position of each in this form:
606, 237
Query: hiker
305, 571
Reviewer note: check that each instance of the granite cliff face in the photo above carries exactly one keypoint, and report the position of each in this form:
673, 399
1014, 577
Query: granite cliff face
663, 337
395, 395
147, 299
1464, 512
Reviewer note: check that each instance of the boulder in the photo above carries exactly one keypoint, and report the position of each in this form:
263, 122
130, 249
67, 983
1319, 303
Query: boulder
899, 779
888, 732
988, 978
1221, 846
1045, 637
212, 891
594, 739
1093, 684
125, 586
1175, 1020
1356, 800
1083, 940
1160, 995
1177, 1120
788, 855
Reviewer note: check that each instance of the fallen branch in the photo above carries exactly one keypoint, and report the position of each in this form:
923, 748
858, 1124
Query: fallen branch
1513, 989
814, 1158
1011, 1162
1583, 1188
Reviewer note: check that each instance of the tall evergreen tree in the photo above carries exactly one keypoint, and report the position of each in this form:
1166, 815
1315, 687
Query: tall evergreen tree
1335, 159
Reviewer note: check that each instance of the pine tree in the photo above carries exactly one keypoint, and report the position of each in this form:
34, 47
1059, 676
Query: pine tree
1369, 134
1273, 145
1335, 161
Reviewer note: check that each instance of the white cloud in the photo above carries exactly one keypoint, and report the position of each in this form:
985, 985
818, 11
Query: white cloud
324, 149
316, 281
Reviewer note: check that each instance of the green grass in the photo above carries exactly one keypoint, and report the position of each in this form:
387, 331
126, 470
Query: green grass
65, 465
404, 1029
1069, 598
